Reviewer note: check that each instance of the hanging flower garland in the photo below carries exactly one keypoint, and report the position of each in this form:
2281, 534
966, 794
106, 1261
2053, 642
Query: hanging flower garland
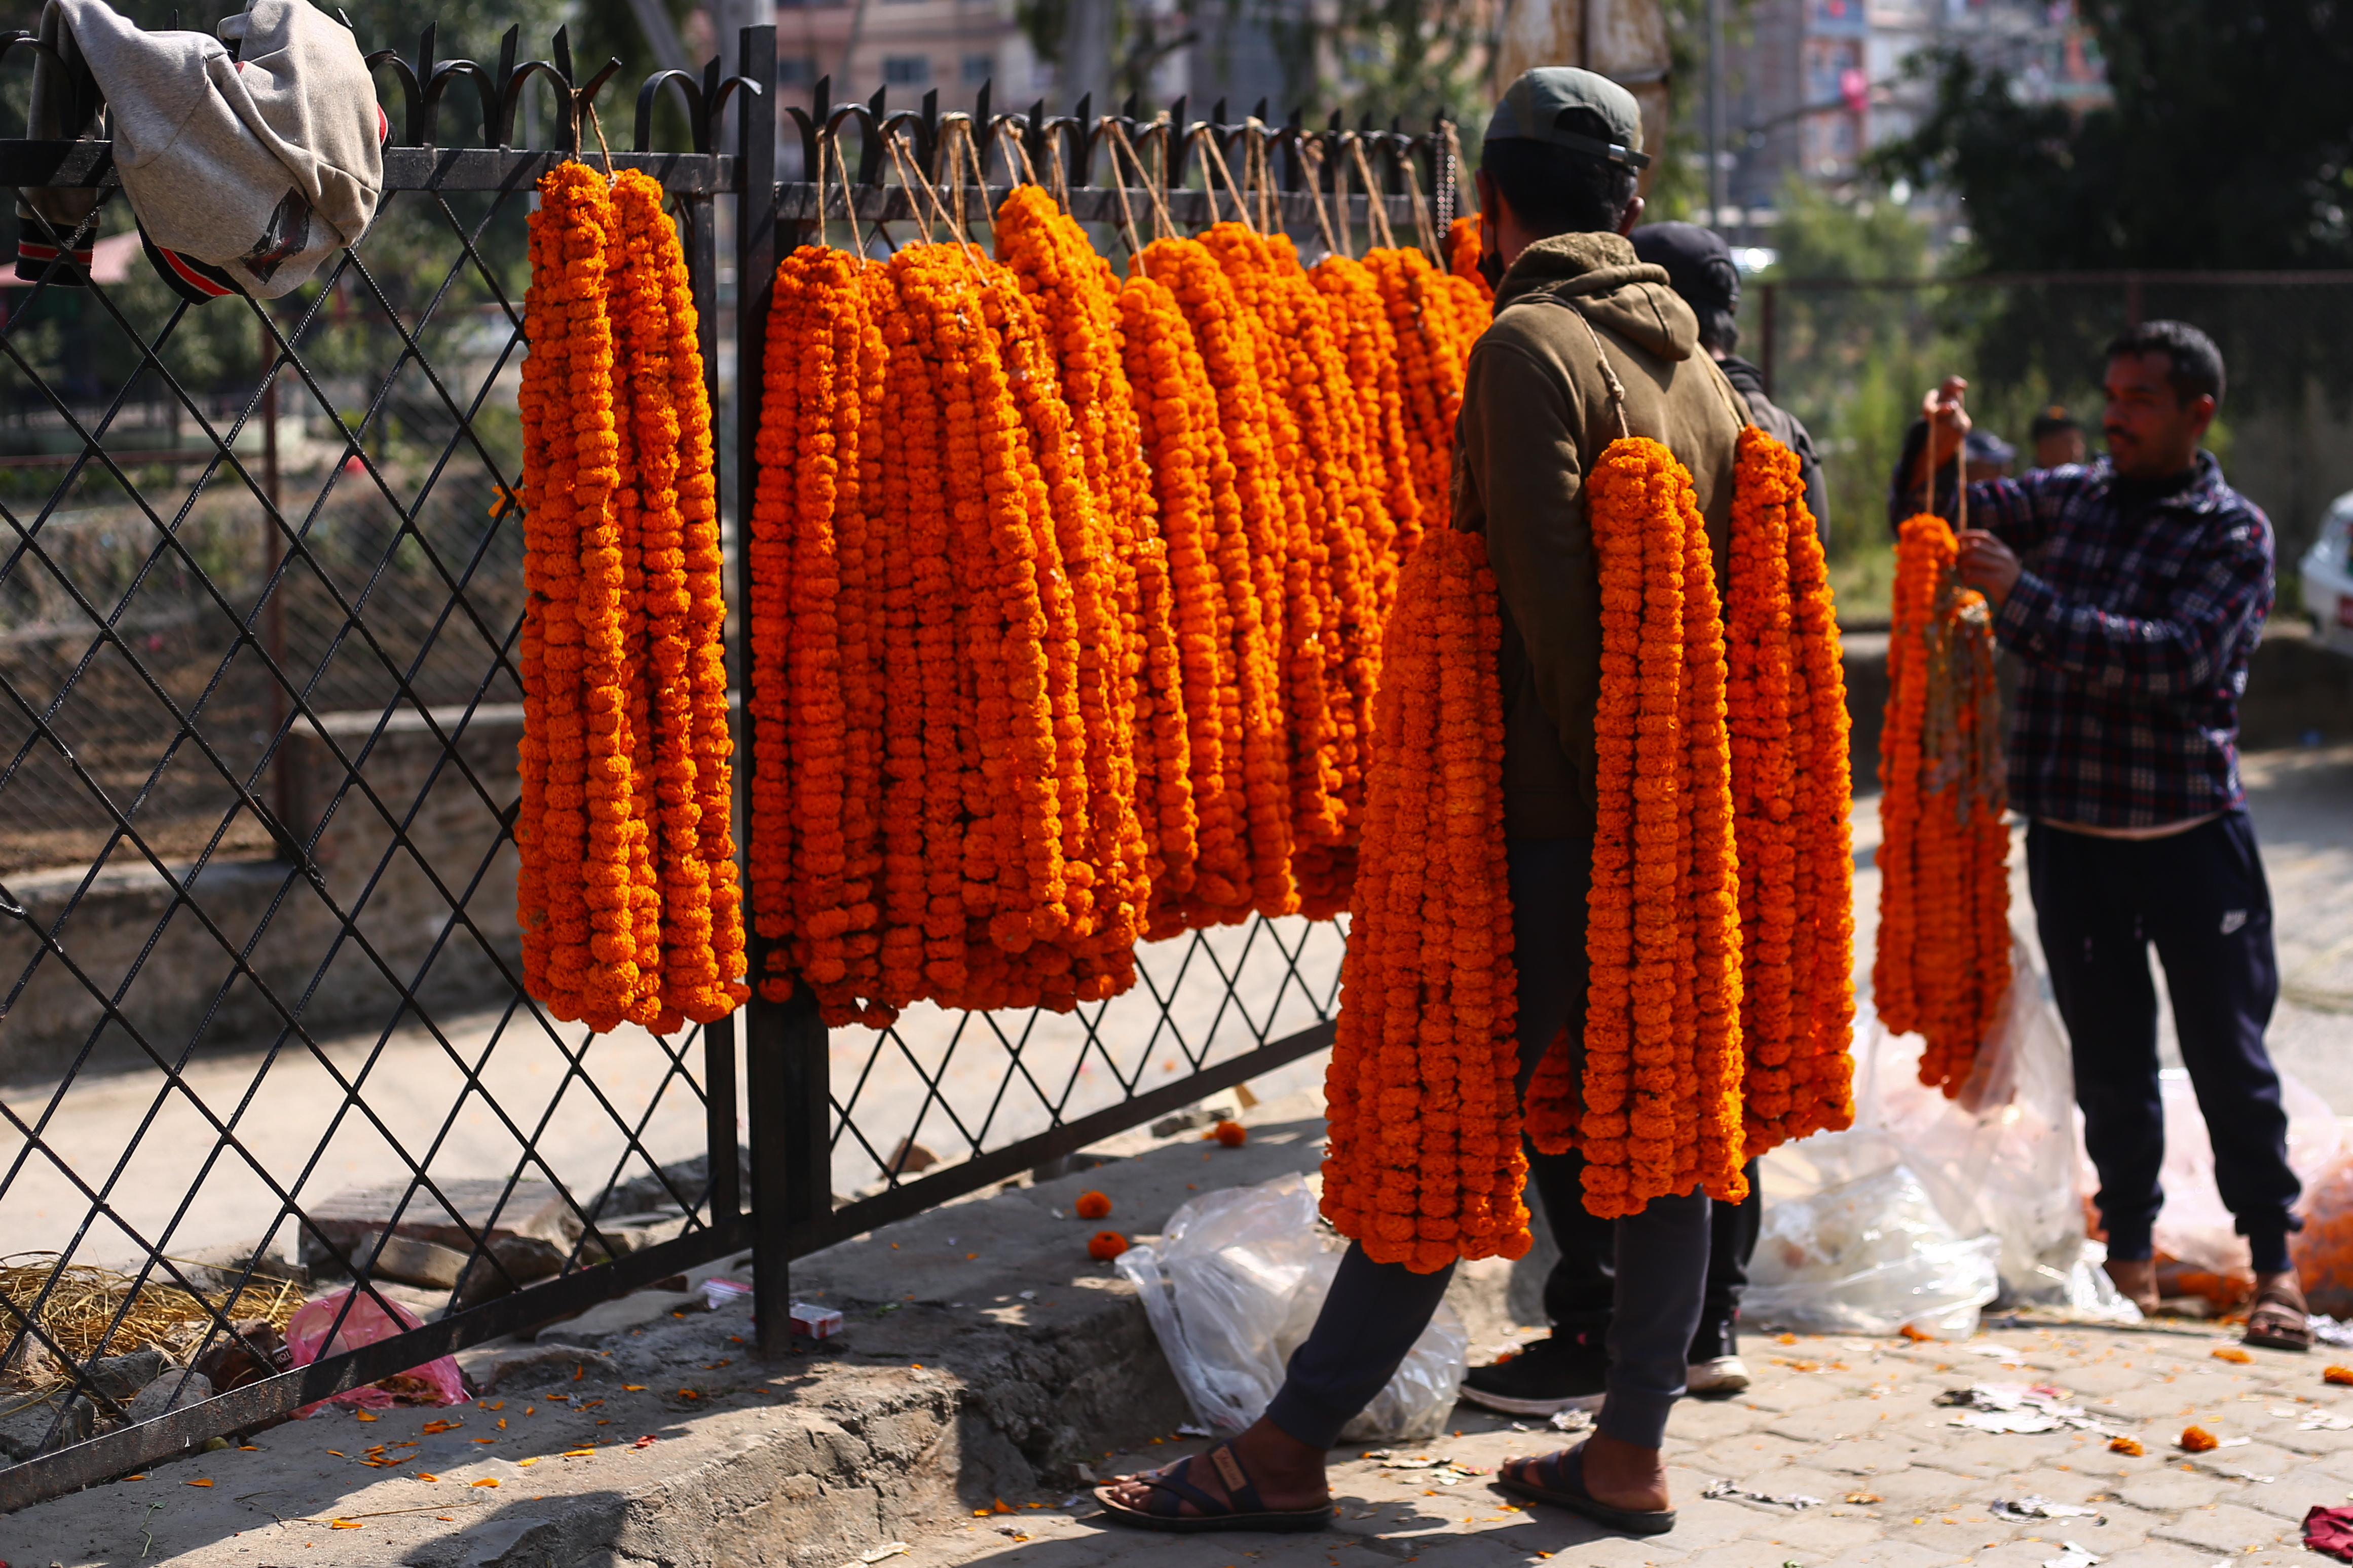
1659, 1101
1791, 798
1943, 961
1464, 243
1424, 1164
1249, 556
1185, 446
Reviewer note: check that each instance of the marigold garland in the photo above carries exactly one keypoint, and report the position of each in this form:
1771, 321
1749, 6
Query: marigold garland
627, 885
1659, 1102
1464, 244
1790, 808
1424, 1165
1943, 961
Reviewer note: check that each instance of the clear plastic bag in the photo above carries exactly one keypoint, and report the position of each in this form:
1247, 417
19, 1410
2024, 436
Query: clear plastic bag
1232, 1288
1869, 1255
1999, 1160
438, 1382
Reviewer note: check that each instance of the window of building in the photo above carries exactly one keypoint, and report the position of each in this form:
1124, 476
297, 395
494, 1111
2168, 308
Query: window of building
979, 68
907, 70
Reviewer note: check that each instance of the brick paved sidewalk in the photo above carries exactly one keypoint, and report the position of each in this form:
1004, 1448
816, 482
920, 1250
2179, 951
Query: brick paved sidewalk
1851, 1422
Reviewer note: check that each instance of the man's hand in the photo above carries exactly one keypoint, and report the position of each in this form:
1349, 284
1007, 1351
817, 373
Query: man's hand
1948, 427
1988, 565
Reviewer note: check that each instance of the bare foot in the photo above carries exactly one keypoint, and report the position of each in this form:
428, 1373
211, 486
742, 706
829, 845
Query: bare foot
2136, 1280
1288, 1473
1615, 1472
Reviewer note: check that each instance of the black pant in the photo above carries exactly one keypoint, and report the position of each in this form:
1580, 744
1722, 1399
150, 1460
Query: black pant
1580, 1292
1375, 1310
2201, 899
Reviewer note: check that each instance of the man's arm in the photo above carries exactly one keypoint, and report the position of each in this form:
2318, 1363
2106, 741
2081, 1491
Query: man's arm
1520, 454
2172, 656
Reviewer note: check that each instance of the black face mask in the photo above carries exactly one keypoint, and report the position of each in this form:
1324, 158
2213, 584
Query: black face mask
1490, 268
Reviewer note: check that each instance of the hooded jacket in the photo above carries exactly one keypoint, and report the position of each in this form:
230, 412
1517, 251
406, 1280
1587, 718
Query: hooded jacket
1535, 411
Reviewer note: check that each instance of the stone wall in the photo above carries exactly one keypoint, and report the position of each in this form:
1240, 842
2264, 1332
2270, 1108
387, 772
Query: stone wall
411, 822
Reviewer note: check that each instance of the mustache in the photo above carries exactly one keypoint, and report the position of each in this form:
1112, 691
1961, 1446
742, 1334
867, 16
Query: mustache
2116, 433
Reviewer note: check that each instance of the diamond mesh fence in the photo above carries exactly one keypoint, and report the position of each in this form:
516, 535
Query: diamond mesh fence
267, 1071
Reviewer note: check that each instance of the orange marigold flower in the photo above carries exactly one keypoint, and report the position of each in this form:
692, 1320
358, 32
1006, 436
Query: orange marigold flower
1091, 1205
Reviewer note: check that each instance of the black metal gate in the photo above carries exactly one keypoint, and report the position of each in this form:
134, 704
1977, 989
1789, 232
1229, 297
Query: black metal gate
262, 1030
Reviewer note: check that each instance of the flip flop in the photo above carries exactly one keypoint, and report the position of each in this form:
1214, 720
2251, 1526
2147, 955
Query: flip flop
1242, 1508
1568, 1491
2278, 1320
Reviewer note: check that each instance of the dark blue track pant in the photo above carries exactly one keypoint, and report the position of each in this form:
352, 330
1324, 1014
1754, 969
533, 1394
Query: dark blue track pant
2200, 898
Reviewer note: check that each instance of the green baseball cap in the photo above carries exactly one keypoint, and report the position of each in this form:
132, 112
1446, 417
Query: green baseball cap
1533, 108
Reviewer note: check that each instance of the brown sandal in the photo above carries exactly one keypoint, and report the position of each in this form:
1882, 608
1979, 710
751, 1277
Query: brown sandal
2278, 1319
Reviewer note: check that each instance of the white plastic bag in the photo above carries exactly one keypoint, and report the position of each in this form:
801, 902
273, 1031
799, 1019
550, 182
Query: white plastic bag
1998, 1160
1234, 1286
1868, 1256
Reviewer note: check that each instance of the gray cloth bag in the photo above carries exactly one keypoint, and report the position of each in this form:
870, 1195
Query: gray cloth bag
259, 166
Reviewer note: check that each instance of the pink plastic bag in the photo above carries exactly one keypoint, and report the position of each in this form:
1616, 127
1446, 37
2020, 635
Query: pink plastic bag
436, 1382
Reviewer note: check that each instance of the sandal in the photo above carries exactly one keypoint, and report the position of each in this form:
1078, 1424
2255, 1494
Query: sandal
1241, 1509
2279, 1320
1567, 1489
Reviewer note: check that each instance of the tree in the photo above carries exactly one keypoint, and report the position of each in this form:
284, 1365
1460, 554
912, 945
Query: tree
2226, 145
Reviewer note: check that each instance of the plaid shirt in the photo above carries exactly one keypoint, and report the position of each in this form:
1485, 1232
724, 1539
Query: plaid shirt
2134, 619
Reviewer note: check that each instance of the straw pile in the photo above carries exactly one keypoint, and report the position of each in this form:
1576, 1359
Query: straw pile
82, 1306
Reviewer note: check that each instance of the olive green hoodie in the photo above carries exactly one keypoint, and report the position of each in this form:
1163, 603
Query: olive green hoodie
1536, 410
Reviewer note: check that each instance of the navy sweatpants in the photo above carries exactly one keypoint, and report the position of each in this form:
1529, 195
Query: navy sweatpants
2200, 898
1375, 1310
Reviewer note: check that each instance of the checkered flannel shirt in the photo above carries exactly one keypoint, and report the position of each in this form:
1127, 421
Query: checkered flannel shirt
2134, 622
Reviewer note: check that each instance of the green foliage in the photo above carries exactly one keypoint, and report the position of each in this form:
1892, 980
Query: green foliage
2227, 144
1852, 363
1401, 60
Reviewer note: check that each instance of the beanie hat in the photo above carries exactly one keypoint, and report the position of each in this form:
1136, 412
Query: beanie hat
246, 171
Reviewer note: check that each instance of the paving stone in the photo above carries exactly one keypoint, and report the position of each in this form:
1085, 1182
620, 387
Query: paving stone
1894, 1553
2294, 1491
2225, 1526
1834, 1421
2162, 1554
2165, 1490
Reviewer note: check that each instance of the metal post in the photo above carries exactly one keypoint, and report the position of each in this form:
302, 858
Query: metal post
1716, 179
771, 1036
273, 560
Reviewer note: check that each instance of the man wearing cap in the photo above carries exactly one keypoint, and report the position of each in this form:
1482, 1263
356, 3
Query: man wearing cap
1570, 1368
1576, 311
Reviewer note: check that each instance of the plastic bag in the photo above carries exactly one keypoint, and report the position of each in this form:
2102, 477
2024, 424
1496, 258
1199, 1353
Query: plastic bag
1999, 1159
1232, 1288
1869, 1255
2193, 1226
2323, 1250
438, 1382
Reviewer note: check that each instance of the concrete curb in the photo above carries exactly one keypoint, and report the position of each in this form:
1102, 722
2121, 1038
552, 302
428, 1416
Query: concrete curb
949, 1389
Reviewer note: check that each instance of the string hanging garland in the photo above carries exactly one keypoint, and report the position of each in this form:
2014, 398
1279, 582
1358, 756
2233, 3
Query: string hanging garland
1424, 1164
626, 889
1943, 962
1791, 794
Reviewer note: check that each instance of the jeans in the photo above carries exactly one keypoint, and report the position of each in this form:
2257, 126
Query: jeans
1375, 1310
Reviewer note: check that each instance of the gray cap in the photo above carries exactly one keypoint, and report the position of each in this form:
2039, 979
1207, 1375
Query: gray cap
1533, 107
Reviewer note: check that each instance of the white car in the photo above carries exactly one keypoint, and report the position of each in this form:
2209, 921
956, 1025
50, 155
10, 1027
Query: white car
2327, 569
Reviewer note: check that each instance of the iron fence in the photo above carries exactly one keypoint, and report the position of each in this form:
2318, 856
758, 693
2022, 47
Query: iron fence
262, 1033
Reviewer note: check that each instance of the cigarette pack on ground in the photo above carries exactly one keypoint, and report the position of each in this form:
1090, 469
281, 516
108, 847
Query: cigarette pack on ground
815, 1322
